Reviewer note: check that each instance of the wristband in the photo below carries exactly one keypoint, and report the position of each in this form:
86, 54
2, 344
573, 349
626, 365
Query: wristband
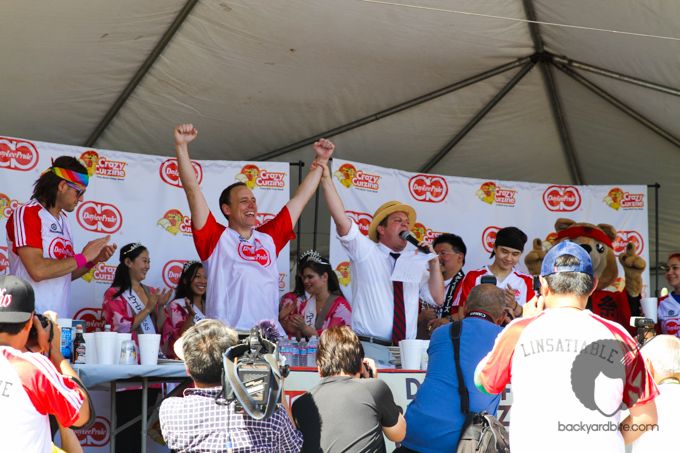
80, 260
90, 265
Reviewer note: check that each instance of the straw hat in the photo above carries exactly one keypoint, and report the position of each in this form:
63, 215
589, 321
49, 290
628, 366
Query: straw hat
384, 211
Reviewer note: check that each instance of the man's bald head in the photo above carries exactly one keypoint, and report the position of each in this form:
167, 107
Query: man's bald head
663, 352
487, 298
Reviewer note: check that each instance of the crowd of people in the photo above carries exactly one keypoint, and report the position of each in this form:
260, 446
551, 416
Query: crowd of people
537, 337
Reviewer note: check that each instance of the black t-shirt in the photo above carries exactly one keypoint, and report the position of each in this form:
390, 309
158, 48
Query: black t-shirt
343, 414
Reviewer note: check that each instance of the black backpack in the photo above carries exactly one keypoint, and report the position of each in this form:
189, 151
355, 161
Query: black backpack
481, 432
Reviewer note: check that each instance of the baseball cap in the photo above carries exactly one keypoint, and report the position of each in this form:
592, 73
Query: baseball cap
17, 300
566, 248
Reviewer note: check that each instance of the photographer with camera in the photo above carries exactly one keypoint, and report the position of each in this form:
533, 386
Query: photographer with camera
33, 386
344, 412
198, 423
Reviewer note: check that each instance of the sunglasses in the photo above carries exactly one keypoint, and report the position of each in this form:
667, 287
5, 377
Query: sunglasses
78, 191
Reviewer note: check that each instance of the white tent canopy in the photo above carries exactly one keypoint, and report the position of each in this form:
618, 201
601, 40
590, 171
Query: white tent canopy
391, 85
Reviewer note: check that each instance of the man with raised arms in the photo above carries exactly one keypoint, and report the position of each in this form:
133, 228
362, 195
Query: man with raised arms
380, 306
240, 260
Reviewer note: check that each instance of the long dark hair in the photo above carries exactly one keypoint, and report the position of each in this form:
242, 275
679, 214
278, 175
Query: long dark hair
46, 187
299, 290
321, 268
184, 284
121, 279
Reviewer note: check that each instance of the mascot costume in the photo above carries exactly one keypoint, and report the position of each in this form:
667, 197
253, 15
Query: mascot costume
597, 240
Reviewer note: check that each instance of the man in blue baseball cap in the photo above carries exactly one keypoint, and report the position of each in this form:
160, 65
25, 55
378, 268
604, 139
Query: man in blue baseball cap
571, 370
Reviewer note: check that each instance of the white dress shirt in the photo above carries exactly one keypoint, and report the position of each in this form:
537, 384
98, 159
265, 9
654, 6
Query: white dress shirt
370, 268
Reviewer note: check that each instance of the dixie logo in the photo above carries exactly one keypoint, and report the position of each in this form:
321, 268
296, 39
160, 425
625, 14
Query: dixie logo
96, 436
263, 217
4, 261
362, 219
94, 318
622, 240
172, 271
618, 199
170, 172
60, 249
18, 155
349, 176
428, 188
255, 252
173, 221
562, 198
99, 217
489, 238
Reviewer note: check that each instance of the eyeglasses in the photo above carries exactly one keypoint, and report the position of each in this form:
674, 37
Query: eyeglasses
446, 252
79, 192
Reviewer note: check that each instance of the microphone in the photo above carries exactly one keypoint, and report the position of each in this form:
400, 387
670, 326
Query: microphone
408, 236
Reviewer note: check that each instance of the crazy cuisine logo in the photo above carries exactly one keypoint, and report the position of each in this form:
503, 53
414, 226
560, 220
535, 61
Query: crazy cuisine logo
173, 221
423, 233
101, 166
97, 435
490, 193
342, 271
253, 177
549, 241
4, 261
19, 155
99, 217
172, 271
94, 318
101, 273
362, 219
428, 188
349, 176
562, 198
617, 285
622, 240
618, 199
7, 206
489, 238
169, 172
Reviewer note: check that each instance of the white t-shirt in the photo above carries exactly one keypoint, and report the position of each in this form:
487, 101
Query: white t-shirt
33, 225
243, 275
372, 290
570, 372
30, 389
665, 437
522, 284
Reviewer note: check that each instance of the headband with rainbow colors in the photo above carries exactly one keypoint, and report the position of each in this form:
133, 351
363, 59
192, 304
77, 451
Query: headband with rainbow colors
80, 180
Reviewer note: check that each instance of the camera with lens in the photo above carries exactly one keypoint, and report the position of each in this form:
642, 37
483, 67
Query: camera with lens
252, 376
45, 321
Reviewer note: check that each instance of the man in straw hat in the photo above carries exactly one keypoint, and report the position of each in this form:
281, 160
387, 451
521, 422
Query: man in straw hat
39, 240
383, 312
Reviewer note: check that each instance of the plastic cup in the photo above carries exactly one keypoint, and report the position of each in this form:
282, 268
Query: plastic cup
106, 347
90, 349
425, 358
649, 307
412, 353
149, 345
121, 338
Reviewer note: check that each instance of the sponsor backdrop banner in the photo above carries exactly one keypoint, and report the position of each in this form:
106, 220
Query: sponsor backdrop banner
476, 209
134, 197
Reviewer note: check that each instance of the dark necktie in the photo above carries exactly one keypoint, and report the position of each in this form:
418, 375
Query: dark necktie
399, 321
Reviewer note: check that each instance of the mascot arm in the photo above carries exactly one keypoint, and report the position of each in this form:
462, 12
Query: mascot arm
633, 266
534, 258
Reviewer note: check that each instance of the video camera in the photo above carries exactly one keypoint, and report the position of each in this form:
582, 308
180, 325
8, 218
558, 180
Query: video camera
252, 376
642, 325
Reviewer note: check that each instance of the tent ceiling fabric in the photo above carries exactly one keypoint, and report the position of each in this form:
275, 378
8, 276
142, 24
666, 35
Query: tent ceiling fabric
257, 75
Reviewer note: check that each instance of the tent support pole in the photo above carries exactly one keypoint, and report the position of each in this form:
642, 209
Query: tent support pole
141, 72
551, 88
616, 75
392, 110
656, 186
477, 118
618, 104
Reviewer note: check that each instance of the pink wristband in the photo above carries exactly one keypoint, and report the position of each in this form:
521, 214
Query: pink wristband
90, 265
80, 260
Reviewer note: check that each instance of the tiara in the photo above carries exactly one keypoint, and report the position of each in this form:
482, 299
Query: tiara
188, 264
134, 246
313, 255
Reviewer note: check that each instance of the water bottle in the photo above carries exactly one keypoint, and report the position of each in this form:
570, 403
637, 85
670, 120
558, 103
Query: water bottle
295, 356
286, 350
303, 353
311, 351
